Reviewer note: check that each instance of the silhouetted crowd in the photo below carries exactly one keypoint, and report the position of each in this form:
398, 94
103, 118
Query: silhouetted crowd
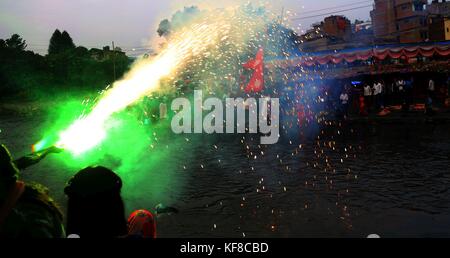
95, 207
377, 96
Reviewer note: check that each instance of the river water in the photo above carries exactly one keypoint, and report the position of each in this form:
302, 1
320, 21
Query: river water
390, 179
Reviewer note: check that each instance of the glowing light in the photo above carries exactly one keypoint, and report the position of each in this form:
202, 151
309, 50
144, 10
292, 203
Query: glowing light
210, 48
82, 135
39, 146
87, 132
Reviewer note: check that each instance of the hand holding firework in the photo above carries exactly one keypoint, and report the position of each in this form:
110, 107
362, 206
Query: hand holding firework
161, 209
34, 158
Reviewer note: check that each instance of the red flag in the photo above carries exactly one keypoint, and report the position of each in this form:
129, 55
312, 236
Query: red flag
256, 83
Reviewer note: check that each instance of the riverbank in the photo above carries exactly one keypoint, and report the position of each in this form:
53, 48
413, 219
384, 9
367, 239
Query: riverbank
36, 105
22, 109
394, 115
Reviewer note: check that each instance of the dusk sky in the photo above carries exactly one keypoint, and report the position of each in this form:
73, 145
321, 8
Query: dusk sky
133, 23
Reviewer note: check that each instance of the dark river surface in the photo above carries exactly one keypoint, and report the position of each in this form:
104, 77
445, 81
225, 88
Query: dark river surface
391, 179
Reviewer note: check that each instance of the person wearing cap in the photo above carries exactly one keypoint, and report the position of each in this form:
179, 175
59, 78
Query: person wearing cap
141, 224
26, 210
95, 207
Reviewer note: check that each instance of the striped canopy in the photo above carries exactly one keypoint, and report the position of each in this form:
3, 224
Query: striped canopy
363, 54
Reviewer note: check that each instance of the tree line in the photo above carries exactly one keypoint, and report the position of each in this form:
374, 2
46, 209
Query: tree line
26, 74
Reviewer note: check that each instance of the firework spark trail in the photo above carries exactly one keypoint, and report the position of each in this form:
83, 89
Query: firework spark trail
88, 131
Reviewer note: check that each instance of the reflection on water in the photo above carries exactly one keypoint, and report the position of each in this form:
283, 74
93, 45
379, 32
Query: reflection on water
351, 181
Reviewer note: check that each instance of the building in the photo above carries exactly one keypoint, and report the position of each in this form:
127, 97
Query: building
439, 20
441, 7
411, 20
361, 25
336, 32
332, 33
106, 53
363, 34
403, 21
316, 32
438, 28
384, 20
338, 26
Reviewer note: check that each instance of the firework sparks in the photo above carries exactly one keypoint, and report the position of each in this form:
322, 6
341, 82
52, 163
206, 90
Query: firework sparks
90, 130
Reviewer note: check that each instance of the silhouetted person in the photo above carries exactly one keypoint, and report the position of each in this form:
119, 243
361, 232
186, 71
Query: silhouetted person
344, 103
400, 89
95, 207
367, 97
362, 106
377, 90
431, 89
26, 210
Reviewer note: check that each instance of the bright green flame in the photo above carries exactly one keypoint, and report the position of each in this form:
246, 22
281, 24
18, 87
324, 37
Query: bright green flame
81, 136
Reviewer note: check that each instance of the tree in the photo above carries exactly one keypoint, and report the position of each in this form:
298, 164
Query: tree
67, 41
81, 51
181, 18
2, 43
60, 42
55, 43
164, 28
16, 42
178, 20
